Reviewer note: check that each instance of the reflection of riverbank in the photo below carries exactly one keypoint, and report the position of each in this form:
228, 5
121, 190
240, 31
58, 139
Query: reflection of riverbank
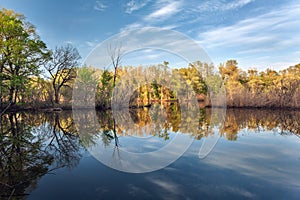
279, 120
34, 143
203, 104
168, 116
159, 120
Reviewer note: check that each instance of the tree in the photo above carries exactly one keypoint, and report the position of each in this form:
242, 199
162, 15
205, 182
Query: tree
104, 89
86, 81
115, 54
38, 92
21, 54
230, 70
61, 68
234, 81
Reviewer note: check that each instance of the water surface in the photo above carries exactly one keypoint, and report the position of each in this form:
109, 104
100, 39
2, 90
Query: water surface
43, 156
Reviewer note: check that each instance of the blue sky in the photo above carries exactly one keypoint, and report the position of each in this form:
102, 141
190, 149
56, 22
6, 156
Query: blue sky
258, 33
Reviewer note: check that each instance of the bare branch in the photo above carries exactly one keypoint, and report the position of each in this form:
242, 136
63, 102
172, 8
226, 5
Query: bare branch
63, 62
115, 53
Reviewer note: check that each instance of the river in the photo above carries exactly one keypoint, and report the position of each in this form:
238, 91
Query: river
47, 155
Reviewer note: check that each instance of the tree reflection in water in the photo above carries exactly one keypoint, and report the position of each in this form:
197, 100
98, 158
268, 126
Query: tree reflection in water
32, 145
285, 122
35, 144
161, 120
148, 121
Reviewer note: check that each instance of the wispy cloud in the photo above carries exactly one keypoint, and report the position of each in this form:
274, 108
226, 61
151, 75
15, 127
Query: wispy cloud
223, 6
69, 42
161, 11
92, 43
131, 26
134, 5
246, 36
272, 27
168, 189
236, 4
274, 33
266, 162
100, 6
164, 12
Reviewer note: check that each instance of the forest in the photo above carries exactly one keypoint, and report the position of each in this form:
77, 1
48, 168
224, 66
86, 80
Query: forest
33, 76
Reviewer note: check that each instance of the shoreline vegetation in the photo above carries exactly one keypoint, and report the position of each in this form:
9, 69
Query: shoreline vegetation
33, 77
60, 108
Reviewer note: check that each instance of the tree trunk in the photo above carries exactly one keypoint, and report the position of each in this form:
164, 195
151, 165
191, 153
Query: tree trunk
11, 96
115, 76
16, 95
56, 96
148, 96
1, 95
56, 93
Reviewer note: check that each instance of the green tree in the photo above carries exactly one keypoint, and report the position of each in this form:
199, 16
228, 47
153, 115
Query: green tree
105, 89
21, 54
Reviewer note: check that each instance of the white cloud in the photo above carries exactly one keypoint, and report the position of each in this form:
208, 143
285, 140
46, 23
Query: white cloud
161, 11
131, 26
69, 42
91, 43
99, 6
220, 5
237, 4
267, 36
171, 189
164, 12
256, 162
134, 5
268, 27
275, 33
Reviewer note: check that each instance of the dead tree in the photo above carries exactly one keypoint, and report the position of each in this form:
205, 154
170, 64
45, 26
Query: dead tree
115, 53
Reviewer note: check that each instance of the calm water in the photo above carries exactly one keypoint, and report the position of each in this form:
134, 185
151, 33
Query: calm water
43, 156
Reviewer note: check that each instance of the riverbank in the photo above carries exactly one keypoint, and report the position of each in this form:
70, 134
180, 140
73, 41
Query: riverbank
58, 108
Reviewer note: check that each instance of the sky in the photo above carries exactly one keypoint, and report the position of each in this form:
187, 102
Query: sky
257, 33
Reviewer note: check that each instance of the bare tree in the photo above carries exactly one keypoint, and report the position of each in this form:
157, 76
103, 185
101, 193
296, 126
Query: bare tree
115, 53
61, 68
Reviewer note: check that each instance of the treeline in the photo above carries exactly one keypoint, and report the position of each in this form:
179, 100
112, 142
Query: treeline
244, 88
33, 76
267, 88
140, 86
